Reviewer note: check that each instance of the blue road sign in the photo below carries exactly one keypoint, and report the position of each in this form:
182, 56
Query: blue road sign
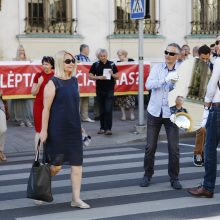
137, 9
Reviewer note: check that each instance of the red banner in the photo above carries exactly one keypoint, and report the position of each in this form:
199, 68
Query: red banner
16, 79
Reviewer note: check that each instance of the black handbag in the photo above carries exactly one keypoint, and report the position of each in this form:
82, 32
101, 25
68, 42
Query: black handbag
39, 182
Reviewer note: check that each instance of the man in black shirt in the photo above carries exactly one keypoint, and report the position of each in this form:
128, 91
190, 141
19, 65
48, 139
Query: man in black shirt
105, 74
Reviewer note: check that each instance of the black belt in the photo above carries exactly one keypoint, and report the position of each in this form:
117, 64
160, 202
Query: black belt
216, 104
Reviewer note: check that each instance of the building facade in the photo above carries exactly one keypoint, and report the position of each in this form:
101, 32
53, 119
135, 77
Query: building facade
46, 26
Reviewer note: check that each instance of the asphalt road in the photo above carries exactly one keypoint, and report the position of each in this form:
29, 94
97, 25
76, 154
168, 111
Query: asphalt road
111, 186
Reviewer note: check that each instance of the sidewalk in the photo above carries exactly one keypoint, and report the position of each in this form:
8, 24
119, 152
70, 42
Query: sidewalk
20, 140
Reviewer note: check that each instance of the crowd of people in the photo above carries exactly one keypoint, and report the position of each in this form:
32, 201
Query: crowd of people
58, 111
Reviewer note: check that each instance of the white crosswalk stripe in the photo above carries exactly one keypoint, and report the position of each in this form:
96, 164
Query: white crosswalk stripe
110, 186
131, 209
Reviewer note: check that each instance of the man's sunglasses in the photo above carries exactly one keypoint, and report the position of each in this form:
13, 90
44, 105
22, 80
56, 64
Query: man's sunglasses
169, 53
68, 61
217, 42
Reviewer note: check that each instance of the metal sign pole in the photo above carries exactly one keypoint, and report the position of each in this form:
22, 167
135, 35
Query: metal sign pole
138, 12
141, 73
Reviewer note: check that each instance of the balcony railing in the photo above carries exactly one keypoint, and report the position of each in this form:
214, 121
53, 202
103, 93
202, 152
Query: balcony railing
131, 27
38, 25
205, 27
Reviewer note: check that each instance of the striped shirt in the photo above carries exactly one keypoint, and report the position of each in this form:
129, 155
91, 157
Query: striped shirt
82, 58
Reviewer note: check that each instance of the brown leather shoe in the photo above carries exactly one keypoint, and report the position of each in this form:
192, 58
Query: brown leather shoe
108, 132
200, 192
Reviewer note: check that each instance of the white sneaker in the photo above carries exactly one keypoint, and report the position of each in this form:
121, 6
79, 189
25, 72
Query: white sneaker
88, 120
28, 124
132, 117
123, 118
22, 124
38, 202
80, 204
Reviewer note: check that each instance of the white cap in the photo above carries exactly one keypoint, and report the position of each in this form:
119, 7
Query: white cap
218, 37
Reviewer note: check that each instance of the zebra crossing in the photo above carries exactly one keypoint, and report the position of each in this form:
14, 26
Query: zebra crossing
111, 186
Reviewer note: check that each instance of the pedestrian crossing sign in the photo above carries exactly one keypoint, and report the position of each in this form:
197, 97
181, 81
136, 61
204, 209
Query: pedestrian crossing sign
137, 9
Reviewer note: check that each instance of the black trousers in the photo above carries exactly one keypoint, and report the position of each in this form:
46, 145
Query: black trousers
105, 100
153, 129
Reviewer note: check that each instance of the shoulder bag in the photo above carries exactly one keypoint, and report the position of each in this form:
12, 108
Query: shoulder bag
39, 182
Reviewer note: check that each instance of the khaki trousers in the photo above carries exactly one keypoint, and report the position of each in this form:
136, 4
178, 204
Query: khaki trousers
199, 141
3, 129
84, 107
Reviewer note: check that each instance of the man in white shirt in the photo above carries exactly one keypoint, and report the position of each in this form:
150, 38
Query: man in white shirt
161, 81
212, 106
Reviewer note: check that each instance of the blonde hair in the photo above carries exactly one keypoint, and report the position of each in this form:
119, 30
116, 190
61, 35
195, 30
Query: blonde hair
123, 52
59, 59
18, 53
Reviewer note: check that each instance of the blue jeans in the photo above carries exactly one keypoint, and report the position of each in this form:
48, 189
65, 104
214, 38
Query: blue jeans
212, 141
105, 100
153, 129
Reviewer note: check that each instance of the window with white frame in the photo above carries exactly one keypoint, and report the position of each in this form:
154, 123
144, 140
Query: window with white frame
205, 17
123, 23
49, 16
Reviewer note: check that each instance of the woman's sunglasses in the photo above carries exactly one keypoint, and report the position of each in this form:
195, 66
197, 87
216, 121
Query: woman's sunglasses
68, 61
217, 42
169, 53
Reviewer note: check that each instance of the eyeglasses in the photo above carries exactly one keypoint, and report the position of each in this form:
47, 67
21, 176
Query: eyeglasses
68, 61
217, 42
169, 53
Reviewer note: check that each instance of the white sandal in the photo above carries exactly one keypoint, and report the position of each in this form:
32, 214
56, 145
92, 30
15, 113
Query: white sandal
80, 204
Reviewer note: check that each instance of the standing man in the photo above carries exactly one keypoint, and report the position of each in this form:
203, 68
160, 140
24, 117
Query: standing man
161, 81
84, 101
212, 107
212, 47
105, 74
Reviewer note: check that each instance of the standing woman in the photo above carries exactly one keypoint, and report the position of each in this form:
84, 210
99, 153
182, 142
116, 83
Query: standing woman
22, 109
4, 115
125, 102
40, 81
61, 124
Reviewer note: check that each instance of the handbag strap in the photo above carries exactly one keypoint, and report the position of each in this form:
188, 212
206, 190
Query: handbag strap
38, 152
